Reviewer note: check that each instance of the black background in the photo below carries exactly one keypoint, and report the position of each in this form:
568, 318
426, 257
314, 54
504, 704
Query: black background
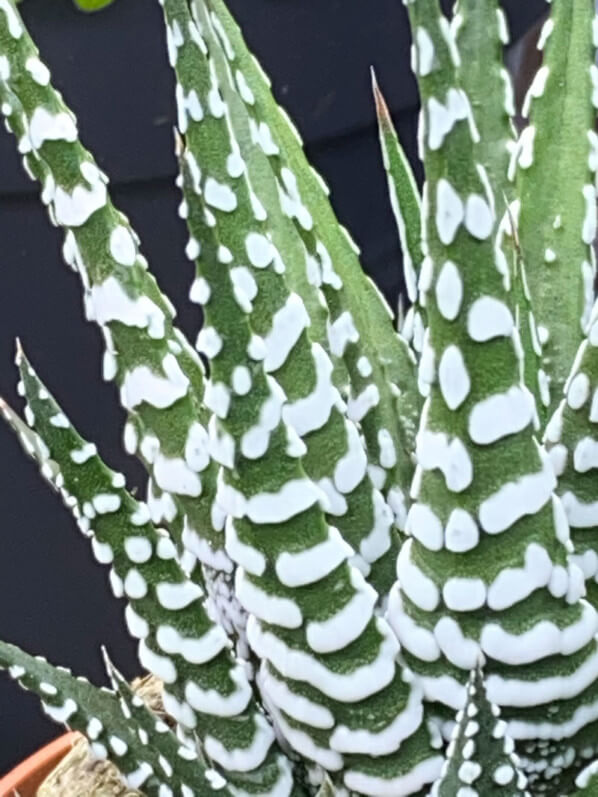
112, 69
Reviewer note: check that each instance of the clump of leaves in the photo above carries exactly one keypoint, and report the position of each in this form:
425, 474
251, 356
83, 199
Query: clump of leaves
353, 532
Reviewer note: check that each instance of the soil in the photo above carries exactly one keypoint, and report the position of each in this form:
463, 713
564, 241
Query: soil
79, 773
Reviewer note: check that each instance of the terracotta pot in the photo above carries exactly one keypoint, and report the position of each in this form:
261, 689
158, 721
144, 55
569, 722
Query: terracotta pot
26, 778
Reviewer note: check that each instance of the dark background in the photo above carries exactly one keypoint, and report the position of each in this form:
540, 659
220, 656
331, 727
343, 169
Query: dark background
112, 68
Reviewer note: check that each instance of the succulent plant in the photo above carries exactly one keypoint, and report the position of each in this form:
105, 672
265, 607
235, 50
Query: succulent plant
362, 535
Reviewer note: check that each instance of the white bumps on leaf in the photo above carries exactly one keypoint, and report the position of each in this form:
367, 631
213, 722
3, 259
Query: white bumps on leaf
450, 211
453, 377
479, 219
449, 291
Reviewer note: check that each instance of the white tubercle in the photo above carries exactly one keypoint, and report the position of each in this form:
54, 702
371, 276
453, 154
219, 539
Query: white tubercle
542, 640
247, 758
122, 246
348, 623
387, 740
311, 412
453, 377
501, 415
436, 450
259, 250
175, 476
334, 502
74, 209
420, 589
161, 391
425, 52
196, 650
265, 606
514, 584
110, 302
255, 441
461, 533
287, 325
300, 708
209, 342
200, 290
304, 744
523, 496
580, 514
293, 497
47, 126
176, 596
244, 287
378, 540
351, 468
419, 641
578, 391
217, 397
160, 666
241, 380
212, 702
459, 649
341, 332
246, 556
418, 777
450, 212
359, 406
312, 564
81, 455
464, 594
489, 318
522, 693
15, 28
585, 455
443, 117
423, 524
347, 687
589, 225
479, 217
449, 291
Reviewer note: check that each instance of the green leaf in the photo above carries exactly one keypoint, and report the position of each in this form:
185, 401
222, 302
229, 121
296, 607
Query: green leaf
375, 348
404, 194
481, 33
571, 438
92, 5
117, 723
480, 755
555, 163
95, 712
479, 460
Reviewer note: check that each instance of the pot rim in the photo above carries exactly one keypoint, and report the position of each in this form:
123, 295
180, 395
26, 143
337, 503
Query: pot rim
31, 772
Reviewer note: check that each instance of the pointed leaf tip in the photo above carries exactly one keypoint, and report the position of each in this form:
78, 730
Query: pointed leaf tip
382, 111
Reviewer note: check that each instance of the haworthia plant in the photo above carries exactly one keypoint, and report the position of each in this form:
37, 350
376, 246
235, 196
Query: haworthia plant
360, 545
379, 363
